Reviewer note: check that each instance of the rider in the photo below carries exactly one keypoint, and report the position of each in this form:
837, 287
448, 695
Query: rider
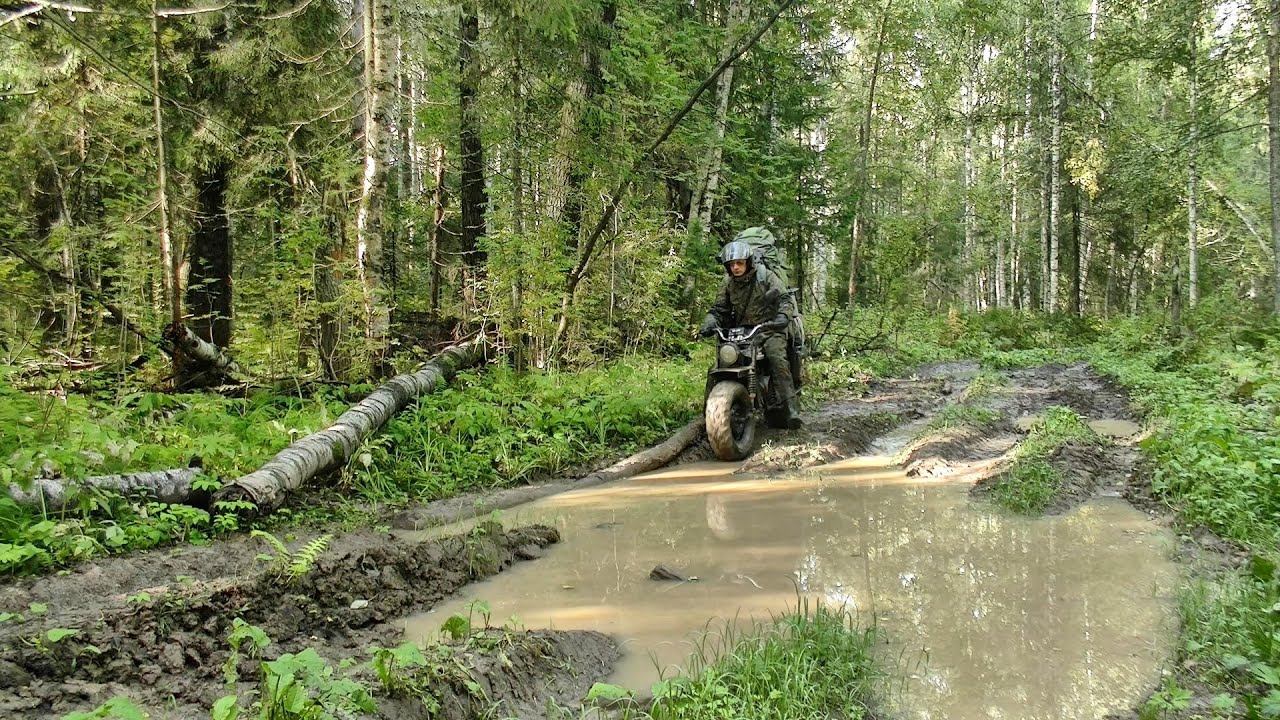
752, 295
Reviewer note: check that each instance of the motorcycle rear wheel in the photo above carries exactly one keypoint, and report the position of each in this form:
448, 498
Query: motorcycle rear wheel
731, 424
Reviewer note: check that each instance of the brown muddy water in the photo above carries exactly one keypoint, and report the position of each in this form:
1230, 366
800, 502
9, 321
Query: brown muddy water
985, 615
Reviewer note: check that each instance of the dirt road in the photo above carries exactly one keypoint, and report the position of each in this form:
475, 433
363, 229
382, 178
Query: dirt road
154, 626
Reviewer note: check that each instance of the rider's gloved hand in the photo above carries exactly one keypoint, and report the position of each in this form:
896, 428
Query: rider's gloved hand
709, 326
779, 322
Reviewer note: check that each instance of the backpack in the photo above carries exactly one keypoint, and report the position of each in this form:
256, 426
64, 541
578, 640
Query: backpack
764, 251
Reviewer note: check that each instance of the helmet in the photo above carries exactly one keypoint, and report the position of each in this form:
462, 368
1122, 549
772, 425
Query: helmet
736, 250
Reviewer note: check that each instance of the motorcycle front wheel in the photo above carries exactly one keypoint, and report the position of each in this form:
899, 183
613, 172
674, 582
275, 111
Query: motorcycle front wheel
731, 425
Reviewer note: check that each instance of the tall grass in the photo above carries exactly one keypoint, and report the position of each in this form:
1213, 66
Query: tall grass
814, 662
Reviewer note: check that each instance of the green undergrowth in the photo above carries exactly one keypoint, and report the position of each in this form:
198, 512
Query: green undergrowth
1213, 396
73, 435
815, 662
491, 428
1031, 483
963, 415
501, 428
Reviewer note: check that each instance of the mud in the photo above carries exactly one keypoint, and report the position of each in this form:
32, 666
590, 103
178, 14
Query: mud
153, 626
164, 647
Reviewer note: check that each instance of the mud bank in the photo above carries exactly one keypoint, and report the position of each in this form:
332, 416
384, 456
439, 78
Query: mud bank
165, 647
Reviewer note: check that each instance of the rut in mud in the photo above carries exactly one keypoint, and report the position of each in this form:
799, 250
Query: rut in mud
154, 626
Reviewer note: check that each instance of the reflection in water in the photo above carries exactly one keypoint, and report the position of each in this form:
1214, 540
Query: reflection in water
990, 616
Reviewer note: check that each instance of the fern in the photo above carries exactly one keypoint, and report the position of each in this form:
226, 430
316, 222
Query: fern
274, 542
292, 565
305, 559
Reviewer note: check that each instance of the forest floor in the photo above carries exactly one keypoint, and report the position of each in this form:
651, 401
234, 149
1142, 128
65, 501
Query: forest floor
155, 626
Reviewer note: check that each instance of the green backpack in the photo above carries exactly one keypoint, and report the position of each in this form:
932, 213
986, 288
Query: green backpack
764, 251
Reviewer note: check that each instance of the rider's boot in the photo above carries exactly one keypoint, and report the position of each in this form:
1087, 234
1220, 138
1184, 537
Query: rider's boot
787, 390
793, 412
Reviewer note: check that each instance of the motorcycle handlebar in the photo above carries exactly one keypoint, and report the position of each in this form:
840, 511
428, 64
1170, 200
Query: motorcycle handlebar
722, 333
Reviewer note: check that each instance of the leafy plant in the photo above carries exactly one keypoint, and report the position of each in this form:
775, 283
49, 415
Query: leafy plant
291, 565
301, 686
117, 708
243, 639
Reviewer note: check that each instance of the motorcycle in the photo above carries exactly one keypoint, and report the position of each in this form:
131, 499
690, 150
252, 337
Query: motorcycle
740, 390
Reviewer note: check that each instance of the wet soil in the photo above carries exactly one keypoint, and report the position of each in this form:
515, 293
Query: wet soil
164, 646
153, 626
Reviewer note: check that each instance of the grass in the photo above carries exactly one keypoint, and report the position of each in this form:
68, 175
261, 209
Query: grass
488, 429
962, 415
1031, 483
815, 662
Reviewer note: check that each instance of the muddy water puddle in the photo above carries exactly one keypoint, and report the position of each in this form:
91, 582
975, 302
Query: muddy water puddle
1112, 428
985, 615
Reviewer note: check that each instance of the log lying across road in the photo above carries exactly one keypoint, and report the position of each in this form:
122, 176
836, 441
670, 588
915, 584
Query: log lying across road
333, 446
291, 467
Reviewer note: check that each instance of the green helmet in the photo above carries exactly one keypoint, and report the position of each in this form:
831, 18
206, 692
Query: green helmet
735, 250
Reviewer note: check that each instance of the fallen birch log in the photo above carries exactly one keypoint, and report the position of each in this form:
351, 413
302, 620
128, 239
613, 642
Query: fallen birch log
169, 486
646, 460
475, 504
201, 352
333, 446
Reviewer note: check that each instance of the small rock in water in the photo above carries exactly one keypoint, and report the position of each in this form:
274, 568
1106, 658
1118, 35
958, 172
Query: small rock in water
359, 604
662, 572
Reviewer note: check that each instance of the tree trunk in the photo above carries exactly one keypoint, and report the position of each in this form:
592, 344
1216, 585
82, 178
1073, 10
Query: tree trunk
1008, 168
369, 212
474, 198
857, 230
1193, 260
167, 486
520, 340
209, 297
709, 181
1273, 138
327, 259
1055, 154
203, 363
969, 293
168, 258
1077, 282
437, 223
332, 447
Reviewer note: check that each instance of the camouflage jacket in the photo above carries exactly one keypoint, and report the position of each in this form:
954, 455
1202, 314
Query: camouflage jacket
756, 297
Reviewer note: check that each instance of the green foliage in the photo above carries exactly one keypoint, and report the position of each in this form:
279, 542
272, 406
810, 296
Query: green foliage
117, 708
604, 692
292, 565
961, 415
813, 662
244, 639
299, 686
1213, 393
103, 434
1031, 483
501, 428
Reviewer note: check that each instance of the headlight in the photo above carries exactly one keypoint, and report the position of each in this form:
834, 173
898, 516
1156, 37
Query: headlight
728, 355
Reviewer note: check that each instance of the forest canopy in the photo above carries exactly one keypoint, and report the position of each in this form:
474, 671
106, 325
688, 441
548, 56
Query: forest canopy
320, 186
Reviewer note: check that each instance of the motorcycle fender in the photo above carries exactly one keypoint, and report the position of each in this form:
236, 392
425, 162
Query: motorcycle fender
737, 374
